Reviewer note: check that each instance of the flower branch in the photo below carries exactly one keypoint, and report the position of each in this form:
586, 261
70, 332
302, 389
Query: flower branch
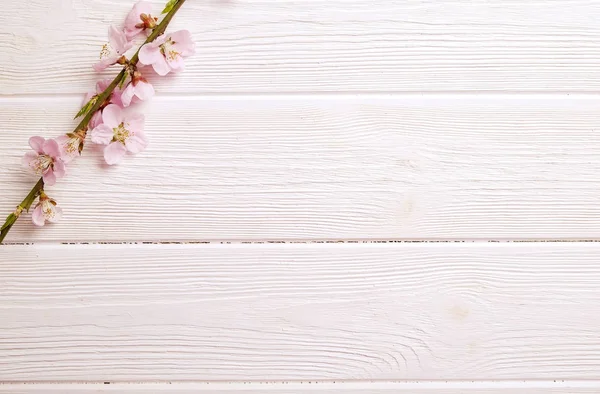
102, 111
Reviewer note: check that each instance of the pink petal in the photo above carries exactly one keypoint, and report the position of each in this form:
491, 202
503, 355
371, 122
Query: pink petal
159, 41
102, 134
58, 212
161, 67
37, 143
150, 53
115, 38
37, 217
132, 32
102, 85
127, 46
184, 43
68, 157
115, 97
176, 64
142, 7
118, 41
144, 90
114, 152
136, 143
105, 63
59, 169
133, 18
127, 95
112, 116
30, 159
51, 148
96, 120
49, 177
62, 142
135, 123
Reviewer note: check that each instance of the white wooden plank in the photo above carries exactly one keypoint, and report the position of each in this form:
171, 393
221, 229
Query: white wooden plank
322, 45
463, 311
313, 388
251, 168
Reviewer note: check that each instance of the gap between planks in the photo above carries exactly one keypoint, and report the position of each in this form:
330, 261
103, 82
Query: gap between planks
308, 242
350, 387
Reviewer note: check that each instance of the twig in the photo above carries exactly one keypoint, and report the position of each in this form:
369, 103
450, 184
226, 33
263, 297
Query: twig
100, 99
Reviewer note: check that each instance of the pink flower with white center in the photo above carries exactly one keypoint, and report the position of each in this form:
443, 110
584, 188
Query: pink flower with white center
166, 53
45, 160
112, 52
139, 19
122, 134
46, 210
139, 89
96, 120
71, 145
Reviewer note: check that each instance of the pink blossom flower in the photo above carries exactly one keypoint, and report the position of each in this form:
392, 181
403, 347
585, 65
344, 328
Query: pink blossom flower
139, 19
166, 53
112, 52
70, 146
139, 89
122, 134
114, 98
45, 160
46, 210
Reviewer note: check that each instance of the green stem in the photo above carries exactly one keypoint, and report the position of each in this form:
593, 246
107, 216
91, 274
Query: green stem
102, 97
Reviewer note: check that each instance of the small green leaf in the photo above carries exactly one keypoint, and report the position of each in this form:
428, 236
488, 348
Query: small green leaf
86, 108
169, 6
10, 220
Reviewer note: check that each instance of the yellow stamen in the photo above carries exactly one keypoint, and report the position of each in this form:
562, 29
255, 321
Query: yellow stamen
105, 52
168, 51
42, 163
48, 210
72, 145
121, 133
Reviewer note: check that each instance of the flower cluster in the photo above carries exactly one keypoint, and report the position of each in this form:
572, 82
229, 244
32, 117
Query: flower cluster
107, 112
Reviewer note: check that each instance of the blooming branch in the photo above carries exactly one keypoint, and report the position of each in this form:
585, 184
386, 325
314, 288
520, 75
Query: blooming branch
102, 112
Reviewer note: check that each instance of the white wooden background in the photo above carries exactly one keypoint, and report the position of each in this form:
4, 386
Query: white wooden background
334, 201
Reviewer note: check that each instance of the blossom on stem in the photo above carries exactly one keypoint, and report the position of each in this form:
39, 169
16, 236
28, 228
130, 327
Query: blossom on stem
121, 133
46, 210
139, 89
113, 98
45, 160
166, 53
139, 19
71, 145
112, 52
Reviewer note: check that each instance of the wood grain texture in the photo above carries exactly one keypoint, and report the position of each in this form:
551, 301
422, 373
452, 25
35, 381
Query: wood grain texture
48, 46
463, 311
324, 168
312, 388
